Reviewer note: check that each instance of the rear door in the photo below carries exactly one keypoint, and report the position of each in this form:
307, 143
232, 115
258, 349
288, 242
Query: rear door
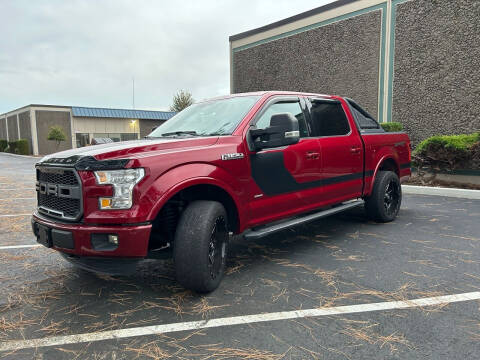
341, 150
285, 179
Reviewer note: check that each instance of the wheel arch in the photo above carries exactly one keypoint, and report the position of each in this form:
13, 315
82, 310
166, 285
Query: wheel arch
386, 163
176, 194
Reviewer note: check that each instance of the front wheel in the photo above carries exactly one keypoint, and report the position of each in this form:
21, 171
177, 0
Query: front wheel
384, 203
200, 246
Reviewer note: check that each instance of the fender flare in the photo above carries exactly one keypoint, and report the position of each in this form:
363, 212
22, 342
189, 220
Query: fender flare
179, 178
383, 159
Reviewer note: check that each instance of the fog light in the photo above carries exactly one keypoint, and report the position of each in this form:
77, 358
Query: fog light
113, 239
104, 242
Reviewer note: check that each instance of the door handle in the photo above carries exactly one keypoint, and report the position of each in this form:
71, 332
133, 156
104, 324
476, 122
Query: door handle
311, 155
355, 150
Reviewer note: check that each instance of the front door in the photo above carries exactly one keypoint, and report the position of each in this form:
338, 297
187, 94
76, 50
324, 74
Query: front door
285, 179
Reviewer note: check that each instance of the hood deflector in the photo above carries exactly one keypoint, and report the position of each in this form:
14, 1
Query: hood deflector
85, 163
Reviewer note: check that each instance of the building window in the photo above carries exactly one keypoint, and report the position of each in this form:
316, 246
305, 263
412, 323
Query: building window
127, 136
82, 139
117, 136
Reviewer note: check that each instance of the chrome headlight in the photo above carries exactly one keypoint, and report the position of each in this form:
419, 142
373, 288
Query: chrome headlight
123, 182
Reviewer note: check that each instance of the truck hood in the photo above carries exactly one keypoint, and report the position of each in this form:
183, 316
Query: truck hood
132, 149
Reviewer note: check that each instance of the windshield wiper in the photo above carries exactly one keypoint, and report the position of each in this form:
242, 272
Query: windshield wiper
191, 132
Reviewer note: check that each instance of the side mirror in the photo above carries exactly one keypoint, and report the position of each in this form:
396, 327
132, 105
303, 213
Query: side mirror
283, 131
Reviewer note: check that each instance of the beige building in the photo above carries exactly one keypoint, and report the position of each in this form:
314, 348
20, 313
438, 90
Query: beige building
80, 125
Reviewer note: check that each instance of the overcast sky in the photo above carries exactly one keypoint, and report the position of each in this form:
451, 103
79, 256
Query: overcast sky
85, 53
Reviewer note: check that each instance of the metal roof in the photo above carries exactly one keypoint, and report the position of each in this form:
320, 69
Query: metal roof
121, 113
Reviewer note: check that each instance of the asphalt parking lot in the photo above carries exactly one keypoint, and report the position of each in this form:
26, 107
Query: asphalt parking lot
431, 250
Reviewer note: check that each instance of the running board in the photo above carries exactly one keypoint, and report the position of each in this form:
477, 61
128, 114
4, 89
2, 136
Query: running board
262, 231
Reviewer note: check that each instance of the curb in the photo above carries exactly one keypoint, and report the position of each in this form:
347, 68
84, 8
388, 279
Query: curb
440, 191
24, 156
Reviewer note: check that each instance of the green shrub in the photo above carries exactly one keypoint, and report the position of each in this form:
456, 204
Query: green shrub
56, 134
392, 126
448, 152
22, 147
3, 145
12, 147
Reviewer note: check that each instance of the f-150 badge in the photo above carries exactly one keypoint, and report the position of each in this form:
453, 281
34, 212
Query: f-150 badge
233, 156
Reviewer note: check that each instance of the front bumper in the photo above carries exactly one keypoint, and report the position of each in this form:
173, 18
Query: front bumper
76, 239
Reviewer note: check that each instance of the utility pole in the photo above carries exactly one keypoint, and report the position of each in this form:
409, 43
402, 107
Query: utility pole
133, 92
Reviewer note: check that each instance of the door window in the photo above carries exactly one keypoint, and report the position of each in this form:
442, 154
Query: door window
292, 107
329, 119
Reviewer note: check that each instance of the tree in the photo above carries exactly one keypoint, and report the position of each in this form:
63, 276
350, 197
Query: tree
56, 134
181, 100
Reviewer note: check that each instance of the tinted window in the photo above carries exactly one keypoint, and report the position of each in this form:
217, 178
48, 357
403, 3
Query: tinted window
363, 119
280, 108
329, 119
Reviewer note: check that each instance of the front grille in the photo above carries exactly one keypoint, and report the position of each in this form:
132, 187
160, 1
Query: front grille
66, 178
59, 193
69, 207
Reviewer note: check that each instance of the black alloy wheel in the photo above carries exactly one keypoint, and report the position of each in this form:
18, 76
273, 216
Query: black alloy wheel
391, 200
384, 202
217, 247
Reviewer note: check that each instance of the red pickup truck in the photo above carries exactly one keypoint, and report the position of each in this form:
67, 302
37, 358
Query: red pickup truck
249, 164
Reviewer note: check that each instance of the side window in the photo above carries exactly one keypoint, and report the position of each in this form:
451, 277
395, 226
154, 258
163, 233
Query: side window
365, 122
363, 119
292, 107
329, 119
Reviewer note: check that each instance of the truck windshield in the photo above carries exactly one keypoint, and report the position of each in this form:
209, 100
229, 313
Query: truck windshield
216, 117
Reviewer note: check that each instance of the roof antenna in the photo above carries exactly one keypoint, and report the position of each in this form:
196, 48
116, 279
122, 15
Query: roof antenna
133, 93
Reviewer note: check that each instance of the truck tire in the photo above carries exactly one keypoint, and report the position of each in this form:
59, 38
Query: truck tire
200, 246
384, 202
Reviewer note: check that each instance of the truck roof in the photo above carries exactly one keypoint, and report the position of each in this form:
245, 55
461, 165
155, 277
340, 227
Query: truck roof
270, 93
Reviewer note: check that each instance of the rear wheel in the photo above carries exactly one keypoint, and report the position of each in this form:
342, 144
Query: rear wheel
200, 246
384, 203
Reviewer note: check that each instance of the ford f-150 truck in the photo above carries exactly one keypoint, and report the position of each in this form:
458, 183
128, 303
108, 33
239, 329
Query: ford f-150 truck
249, 164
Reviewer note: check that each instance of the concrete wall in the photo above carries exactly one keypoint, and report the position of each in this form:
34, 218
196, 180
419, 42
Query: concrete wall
46, 119
3, 129
25, 128
437, 67
412, 61
12, 128
341, 58
146, 126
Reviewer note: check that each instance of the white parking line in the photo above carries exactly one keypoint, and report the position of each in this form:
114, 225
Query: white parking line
230, 321
14, 215
29, 198
17, 189
19, 246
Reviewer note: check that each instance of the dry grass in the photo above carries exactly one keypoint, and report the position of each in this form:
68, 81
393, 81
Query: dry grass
15, 324
204, 308
327, 276
176, 302
369, 335
218, 352
150, 351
